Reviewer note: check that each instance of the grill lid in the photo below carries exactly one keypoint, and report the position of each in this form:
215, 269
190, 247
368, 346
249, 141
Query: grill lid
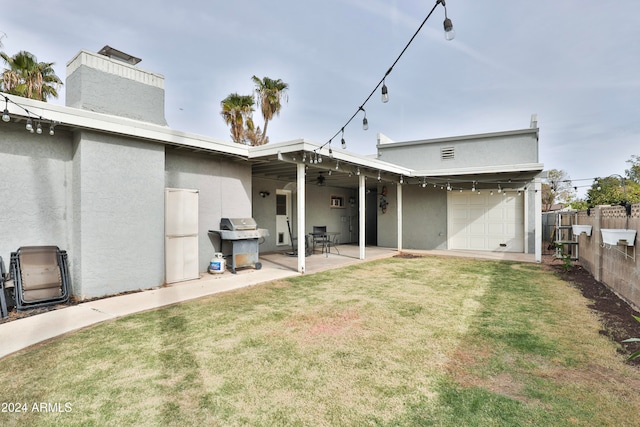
235, 224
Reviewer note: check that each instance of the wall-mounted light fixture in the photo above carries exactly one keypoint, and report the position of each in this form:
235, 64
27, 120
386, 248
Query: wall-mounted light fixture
264, 194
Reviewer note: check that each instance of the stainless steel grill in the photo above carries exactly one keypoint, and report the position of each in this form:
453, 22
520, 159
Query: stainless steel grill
239, 241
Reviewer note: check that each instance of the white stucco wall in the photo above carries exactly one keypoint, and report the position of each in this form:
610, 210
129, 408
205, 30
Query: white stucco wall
35, 189
472, 151
118, 209
424, 218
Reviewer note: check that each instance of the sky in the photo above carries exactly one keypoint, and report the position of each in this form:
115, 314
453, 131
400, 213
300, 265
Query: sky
574, 63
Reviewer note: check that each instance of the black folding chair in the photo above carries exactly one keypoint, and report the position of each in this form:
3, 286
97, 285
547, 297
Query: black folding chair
40, 275
3, 300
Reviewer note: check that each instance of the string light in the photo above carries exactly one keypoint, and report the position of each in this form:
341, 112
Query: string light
6, 117
365, 122
344, 143
385, 92
449, 34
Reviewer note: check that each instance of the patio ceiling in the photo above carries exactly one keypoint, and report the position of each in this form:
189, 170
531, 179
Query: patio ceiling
336, 169
323, 174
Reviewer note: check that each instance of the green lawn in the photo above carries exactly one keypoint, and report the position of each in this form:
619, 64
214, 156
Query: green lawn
423, 341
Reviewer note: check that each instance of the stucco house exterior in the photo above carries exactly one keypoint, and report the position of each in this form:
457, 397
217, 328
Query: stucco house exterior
96, 187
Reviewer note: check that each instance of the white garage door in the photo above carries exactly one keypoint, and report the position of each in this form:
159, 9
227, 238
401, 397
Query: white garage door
486, 222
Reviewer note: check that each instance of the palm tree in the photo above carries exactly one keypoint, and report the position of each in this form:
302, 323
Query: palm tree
29, 78
236, 111
270, 95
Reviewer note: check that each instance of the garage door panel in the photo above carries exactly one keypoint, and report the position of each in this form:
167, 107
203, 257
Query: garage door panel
486, 223
476, 229
477, 243
497, 229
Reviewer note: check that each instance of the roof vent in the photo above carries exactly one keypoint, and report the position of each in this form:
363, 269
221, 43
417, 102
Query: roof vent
120, 56
447, 153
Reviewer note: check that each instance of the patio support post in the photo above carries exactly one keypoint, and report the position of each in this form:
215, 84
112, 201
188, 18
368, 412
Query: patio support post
361, 208
399, 201
302, 213
538, 219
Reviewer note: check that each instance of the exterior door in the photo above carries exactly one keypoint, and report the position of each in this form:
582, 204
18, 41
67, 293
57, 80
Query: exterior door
283, 212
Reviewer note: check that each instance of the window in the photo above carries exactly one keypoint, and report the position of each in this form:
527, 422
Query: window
336, 202
281, 204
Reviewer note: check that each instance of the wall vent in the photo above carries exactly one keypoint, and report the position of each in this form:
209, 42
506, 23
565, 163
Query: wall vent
447, 153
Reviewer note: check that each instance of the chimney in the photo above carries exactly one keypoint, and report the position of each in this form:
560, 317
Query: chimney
109, 82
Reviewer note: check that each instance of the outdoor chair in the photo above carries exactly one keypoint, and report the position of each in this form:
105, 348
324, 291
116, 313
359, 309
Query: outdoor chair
3, 298
40, 276
331, 243
319, 236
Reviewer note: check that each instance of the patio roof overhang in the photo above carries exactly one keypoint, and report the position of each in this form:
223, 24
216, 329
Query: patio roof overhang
516, 177
338, 168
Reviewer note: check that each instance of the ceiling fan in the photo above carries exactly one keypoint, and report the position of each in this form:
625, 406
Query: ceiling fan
320, 179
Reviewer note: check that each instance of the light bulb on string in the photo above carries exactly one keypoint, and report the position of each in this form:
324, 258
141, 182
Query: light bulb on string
5, 116
449, 32
385, 93
365, 122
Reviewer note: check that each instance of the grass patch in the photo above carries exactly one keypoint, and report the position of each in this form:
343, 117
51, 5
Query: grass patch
423, 341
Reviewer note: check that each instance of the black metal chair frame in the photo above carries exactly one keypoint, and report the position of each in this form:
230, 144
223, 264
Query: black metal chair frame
3, 301
319, 236
16, 275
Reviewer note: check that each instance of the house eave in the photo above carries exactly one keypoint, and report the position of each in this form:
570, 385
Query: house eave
533, 168
75, 118
491, 135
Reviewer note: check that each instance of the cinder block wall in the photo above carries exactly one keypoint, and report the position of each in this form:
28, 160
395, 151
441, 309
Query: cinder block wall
609, 265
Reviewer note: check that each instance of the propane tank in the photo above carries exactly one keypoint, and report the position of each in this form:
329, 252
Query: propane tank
217, 264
